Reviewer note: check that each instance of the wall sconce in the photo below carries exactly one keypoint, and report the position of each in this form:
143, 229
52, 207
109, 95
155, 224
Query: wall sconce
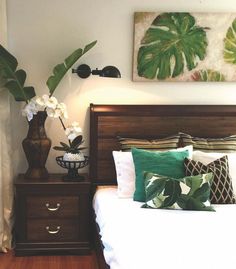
84, 71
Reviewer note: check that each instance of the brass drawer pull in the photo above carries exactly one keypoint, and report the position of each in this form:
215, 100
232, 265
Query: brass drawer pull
53, 231
52, 208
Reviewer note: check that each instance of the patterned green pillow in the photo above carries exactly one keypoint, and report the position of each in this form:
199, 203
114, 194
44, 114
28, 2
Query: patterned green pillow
188, 193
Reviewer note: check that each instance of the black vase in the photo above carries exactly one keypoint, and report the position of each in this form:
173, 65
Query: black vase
36, 147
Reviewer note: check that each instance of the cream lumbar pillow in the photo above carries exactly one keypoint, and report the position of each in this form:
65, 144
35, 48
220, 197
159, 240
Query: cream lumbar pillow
125, 171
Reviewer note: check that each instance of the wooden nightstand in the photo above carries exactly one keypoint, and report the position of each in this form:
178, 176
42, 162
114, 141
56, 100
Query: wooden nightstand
52, 216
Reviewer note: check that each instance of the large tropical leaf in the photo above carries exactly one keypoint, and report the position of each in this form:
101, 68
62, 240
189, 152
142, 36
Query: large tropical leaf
172, 43
14, 79
193, 184
154, 187
203, 193
208, 75
172, 191
230, 44
60, 70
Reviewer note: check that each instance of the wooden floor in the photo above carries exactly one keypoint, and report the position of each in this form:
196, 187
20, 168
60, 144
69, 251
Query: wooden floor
9, 261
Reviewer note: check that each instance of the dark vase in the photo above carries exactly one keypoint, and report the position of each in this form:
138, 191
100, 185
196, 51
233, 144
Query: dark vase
36, 147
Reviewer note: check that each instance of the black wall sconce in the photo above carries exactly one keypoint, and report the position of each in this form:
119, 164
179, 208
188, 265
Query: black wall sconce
84, 71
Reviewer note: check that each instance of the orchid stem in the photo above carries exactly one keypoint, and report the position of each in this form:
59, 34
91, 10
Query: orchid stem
62, 123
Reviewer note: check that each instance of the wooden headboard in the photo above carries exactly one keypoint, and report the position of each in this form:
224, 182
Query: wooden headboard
149, 121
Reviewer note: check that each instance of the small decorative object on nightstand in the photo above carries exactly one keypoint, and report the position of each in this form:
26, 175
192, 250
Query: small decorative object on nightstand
52, 216
72, 167
73, 158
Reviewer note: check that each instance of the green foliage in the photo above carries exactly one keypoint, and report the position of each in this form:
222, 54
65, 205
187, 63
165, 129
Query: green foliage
172, 192
166, 192
173, 42
61, 69
230, 44
154, 187
73, 147
208, 75
13, 79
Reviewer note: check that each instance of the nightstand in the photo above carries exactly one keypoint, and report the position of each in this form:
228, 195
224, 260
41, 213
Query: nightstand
52, 216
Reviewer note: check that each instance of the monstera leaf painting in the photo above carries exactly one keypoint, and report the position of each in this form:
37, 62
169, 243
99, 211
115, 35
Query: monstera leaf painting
181, 46
173, 42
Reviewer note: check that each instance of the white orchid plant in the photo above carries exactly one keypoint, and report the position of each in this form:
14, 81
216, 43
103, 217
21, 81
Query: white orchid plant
73, 149
13, 79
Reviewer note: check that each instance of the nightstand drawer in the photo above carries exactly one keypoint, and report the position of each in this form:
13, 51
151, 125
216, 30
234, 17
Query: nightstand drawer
52, 206
52, 230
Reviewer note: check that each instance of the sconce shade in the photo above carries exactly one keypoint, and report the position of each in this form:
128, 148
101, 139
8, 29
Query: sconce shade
110, 71
84, 71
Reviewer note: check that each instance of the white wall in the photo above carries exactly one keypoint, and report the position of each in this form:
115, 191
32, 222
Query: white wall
42, 33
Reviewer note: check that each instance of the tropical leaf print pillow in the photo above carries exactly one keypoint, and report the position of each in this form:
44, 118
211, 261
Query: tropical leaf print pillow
188, 193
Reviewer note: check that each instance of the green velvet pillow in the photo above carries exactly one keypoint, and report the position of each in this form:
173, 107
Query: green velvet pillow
168, 163
188, 193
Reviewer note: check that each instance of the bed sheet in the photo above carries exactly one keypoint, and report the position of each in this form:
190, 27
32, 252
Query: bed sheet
138, 238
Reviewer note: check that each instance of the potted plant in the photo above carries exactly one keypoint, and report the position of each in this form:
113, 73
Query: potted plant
36, 145
73, 158
73, 151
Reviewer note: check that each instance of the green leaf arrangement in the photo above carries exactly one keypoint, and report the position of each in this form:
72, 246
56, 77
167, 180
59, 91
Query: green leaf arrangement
61, 69
230, 44
14, 79
172, 43
73, 147
208, 75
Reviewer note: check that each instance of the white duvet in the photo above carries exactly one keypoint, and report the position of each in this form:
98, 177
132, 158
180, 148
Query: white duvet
137, 238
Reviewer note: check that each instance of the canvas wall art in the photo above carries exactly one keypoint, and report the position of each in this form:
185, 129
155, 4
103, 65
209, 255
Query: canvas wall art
180, 46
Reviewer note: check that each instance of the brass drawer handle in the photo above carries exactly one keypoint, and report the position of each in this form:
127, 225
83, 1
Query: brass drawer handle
53, 231
52, 208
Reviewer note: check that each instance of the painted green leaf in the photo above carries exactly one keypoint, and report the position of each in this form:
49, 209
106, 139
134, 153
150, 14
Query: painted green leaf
172, 43
182, 201
154, 187
230, 44
195, 204
158, 201
208, 75
203, 193
14, 79
61, 69
172, 191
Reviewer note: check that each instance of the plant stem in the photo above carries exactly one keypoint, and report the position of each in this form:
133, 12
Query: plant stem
62, 123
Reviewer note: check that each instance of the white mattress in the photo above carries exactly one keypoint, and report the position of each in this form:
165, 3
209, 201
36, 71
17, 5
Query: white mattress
137, 238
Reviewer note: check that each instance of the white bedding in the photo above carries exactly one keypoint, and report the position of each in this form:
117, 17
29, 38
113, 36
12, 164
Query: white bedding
137, 238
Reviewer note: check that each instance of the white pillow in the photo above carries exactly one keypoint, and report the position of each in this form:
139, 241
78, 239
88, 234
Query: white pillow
125, 171
208, 157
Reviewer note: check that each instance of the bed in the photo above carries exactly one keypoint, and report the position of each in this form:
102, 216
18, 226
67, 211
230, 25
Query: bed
176, 235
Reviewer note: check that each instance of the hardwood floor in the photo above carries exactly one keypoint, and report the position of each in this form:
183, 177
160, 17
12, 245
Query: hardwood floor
9, 261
